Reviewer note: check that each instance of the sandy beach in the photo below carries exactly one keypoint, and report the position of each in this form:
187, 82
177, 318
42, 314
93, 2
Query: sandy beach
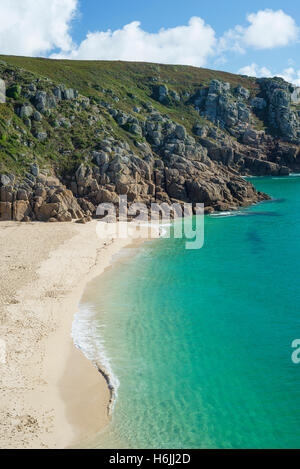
51, 395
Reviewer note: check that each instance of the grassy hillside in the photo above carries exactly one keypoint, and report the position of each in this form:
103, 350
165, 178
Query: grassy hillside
87, 76
151, 131
131, 82
119, 84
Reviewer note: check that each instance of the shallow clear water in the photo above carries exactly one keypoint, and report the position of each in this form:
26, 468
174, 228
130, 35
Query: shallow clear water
200, 340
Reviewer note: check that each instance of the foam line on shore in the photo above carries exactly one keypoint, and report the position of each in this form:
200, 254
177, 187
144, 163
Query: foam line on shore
87, 336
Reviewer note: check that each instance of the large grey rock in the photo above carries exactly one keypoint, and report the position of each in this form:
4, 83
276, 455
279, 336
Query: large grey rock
135, 129
162, 92
122, 118
41, 136
37, 116
243, 92
203, 192
44, 101
35, 170
258, 103
32, 87
218, 87
281, 117
175, 95
105, 196
180, 132
68, 93
100, 158
6, 180
41, 101
57, 91
222, 108
252, 137
25, 111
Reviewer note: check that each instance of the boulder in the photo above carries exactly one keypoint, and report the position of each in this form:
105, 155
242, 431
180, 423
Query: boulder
41, 136
21, 209
41, 101
175, 95
68, 93
44, 101
25, 111
66, 204
252, 137
45, 211
180, 132
35, 170
135, 129
86, 205
203, 192
259, 103
281, 117
64, 216
37, 116
105, 196
219, 87
243, 92
162, 92
22, 194
6, 180
6, 194
5, 211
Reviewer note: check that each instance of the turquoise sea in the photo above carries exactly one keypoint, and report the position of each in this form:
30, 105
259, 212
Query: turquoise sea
198, 342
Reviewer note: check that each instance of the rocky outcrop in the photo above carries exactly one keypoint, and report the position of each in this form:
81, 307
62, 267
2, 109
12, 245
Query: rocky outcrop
280, 116
230, 108
224, 106
133, 147
38, 197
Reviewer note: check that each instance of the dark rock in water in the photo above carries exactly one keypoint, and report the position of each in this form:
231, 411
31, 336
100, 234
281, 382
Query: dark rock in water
262, 214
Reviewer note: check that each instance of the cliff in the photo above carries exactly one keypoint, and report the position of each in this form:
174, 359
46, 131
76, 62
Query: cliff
75, 134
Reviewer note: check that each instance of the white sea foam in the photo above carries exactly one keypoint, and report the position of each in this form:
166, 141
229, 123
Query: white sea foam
294, 175
227, 214
160, 227
88, 337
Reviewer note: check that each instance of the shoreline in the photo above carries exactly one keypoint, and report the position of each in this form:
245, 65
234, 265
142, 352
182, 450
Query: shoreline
53, 397
84, 320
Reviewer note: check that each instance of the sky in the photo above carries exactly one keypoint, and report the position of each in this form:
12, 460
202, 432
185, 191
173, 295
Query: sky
257, 38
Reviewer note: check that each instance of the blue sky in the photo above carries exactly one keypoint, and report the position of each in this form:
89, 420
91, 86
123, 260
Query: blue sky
154, 14
256, 38
221, 15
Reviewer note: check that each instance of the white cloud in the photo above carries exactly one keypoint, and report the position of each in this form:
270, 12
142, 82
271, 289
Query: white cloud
190, 45
42, 27
268, 29
35, 27
232, 40
254, 70
289, 74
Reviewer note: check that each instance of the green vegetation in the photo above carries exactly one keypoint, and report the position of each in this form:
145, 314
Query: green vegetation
121, 78
14, 91
72, 131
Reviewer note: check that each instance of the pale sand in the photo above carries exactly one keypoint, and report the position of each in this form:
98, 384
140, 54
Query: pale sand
51, 395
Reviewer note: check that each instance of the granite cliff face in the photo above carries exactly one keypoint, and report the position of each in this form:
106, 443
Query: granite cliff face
63, 151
